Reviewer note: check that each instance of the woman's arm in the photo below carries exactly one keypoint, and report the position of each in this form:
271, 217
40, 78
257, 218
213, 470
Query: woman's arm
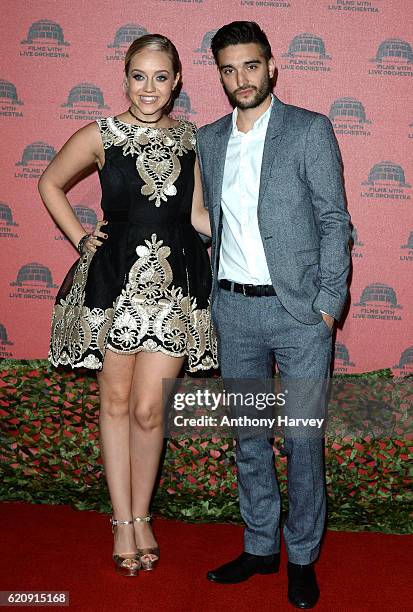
82, 150
199, 214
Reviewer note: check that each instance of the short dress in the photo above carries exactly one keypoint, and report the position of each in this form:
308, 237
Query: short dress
147, 288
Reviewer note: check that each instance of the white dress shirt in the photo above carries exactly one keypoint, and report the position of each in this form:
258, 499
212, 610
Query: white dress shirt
242, 258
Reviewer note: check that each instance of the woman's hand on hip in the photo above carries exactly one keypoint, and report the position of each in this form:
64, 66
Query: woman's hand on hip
95, 239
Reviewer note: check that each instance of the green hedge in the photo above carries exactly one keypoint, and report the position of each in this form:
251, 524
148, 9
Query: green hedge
49, 453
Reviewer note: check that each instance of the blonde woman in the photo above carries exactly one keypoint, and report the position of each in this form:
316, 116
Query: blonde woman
135, 306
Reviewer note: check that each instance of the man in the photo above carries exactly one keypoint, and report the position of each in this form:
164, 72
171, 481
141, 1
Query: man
280, 231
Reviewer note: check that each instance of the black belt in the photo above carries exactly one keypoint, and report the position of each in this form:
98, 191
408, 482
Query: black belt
248, 290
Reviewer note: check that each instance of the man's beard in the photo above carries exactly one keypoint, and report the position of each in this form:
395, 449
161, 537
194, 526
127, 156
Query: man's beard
261, 93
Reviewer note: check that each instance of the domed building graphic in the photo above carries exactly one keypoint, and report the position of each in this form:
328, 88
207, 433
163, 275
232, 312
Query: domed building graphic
206, 42
85, 94
45, 31
387, 173
378, 293
182, 105
34, 274
126, 34
8, 93
86, 216
409, 244
307, 45
348, 109
37, 153
406, 359
4, 340
6, 215
394, 50
341, 354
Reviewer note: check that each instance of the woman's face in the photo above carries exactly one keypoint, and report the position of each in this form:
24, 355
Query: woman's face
150, 80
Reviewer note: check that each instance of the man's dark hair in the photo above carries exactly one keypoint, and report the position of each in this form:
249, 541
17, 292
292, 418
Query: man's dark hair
240, 33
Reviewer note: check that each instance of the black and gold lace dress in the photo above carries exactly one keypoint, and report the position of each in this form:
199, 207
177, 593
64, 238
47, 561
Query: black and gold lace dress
147, 287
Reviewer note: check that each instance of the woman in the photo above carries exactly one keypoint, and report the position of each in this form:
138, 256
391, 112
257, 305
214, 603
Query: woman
135, 306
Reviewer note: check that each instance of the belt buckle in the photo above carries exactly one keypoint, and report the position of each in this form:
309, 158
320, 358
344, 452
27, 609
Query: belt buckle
243, 288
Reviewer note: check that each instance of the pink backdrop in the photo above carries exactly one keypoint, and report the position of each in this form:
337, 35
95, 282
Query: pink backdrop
61, 66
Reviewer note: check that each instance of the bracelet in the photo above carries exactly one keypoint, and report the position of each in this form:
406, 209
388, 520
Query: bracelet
82, 242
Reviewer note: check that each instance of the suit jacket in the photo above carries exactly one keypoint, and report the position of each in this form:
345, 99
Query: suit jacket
302, 216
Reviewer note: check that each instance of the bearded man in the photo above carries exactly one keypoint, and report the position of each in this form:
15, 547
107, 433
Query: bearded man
272, 181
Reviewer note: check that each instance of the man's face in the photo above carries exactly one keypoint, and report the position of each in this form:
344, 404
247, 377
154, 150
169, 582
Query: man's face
245, 74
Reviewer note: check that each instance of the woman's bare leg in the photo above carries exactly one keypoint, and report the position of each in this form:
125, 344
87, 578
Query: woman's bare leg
115, 382
146, 418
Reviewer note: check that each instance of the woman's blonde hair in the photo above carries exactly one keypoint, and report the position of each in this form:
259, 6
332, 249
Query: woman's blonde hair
157, 42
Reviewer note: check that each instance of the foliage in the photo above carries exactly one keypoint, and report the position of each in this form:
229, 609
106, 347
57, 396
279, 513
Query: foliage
49, 453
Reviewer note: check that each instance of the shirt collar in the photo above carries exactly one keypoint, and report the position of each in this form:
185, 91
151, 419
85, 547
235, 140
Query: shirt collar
260, 123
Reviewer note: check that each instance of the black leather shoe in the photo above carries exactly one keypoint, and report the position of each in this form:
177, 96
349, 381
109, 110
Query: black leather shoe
243, 567
303, 591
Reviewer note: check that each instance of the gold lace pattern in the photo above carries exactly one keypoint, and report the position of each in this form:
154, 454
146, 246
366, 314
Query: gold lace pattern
150, 314
157, 152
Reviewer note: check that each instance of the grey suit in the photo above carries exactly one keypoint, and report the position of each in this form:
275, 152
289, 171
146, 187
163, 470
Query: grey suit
304, 228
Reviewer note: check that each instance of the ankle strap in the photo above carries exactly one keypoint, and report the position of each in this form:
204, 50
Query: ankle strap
143, 519
116, 522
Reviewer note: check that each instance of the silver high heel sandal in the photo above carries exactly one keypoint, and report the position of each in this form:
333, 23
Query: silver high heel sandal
125, 565
147, 564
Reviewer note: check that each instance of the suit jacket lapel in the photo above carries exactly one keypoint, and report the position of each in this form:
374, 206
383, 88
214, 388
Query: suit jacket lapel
220, 151
271, 144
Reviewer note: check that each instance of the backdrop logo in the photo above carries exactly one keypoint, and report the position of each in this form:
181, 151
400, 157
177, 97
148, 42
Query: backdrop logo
124, 36
7, 223
34, 281
4, 343
84, 102
349, 117
87, 217
182, 107
307, 52
353, 6
378, 301
410, 134
409, 246
355, 244
266, 3
386, 181
9, 100
206, 58
393, 57
45, 38
405, 364
342, 358
34, 160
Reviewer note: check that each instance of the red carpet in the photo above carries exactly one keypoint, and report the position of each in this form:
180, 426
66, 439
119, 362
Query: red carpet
57, 548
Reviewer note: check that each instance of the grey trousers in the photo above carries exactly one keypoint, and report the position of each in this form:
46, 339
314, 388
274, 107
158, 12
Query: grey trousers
252, 332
